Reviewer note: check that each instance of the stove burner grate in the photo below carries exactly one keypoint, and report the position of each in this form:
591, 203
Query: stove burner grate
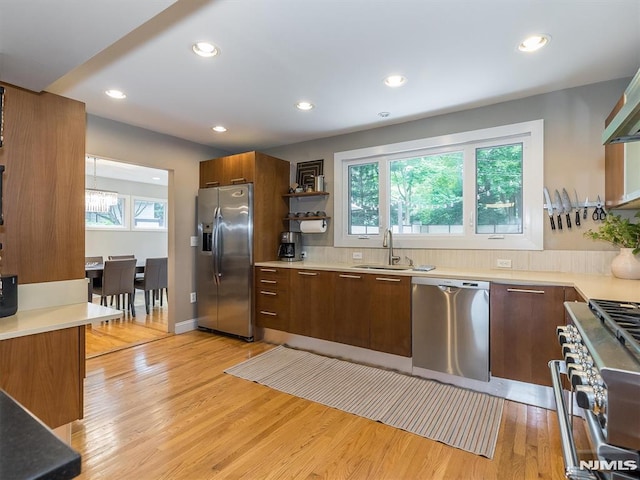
623, 318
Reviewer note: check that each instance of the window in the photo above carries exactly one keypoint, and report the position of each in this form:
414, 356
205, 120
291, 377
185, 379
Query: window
149, 213
474, 190
117, 218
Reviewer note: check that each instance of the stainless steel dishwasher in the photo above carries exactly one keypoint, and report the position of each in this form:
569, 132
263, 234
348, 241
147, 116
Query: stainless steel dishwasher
450, 321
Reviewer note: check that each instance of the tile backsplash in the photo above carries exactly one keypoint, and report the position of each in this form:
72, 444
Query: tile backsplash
567, 261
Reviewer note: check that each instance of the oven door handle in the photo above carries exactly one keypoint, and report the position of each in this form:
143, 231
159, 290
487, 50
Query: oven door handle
569, 455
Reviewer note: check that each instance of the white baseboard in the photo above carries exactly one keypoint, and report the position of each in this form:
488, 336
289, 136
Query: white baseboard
186, 326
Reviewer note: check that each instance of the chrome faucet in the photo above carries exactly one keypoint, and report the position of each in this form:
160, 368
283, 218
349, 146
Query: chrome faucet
387, 242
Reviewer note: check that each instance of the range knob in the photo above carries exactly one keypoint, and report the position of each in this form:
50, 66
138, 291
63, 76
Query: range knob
565, 333
578, 378
573, 358
585, 397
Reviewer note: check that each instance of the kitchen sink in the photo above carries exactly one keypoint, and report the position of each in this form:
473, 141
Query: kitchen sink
384, 267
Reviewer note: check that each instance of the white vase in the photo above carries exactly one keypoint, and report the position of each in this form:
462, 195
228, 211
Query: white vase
626, 265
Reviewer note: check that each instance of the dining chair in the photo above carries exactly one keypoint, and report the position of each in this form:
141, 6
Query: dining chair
121, 257
118, 279
154, 281
97, 282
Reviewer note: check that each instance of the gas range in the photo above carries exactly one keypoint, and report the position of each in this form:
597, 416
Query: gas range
601, 350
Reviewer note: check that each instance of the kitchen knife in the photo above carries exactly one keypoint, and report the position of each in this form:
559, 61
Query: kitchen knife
547, 200
566, 206
558, 200
575, 193
584, 214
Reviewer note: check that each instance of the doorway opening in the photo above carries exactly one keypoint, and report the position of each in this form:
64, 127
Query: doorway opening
134, 223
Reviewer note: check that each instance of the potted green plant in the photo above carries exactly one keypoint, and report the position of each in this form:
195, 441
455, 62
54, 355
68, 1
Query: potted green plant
625, 234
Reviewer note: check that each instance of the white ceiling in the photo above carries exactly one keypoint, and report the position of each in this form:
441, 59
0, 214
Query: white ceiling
102, 167
456, 54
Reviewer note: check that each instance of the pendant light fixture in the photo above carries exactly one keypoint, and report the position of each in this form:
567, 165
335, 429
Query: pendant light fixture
98, 201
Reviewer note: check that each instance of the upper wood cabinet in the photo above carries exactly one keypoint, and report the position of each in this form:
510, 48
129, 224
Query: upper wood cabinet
239, 168
621, 170
270, 177
43, 186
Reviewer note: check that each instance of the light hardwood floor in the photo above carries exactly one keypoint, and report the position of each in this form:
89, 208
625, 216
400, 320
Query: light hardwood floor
129, 331
166, 410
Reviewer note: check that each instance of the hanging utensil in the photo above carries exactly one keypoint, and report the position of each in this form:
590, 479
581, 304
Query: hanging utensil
566, 206
575, 193
584, 214
547, 200
599, 213
558, 200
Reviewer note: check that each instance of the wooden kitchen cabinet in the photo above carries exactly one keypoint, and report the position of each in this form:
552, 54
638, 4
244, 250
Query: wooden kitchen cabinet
45, 373
312, 304
523, 321
614, 165
390, 314
239, 168
352, 297
272, 298
270, 177
43, 186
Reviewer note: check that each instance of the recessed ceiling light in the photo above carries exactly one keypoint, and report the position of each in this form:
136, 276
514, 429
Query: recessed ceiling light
205, 49
384, 114
534, 42
395, 80
304, 105
117, 94
155, 178
219, 129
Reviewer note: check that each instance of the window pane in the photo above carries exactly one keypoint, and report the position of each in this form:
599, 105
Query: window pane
114, 218
364, 199
426, 194
499, 189
149, 214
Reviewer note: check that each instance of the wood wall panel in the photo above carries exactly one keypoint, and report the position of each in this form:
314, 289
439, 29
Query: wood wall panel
54, 364
43, 194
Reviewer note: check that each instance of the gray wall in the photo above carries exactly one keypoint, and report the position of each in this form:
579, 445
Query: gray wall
574, 157
125, 143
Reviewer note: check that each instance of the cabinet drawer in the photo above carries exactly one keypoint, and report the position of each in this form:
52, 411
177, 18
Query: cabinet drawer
272, 300
274, 279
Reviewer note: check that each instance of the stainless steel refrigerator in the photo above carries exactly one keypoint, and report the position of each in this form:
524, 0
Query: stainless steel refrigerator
225, 256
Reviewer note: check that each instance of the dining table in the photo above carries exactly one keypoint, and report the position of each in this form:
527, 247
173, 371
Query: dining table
95, 270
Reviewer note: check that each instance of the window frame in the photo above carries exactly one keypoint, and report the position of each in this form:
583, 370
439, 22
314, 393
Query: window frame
126, 220
164, 201
532, 135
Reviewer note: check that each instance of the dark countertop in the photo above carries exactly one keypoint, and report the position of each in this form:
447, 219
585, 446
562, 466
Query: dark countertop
29, 449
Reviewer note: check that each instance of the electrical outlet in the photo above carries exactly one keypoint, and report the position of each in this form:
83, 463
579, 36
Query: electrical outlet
356, 255
193, 297
303, 254
194, 241
503, 263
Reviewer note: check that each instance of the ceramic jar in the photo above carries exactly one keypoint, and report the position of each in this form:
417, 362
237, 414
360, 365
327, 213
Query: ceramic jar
626, 265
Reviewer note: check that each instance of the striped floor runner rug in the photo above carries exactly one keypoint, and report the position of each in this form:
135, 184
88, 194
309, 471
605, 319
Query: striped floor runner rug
461, 418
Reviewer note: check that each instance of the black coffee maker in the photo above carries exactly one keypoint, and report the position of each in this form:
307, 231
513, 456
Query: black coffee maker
8, 295
290, 249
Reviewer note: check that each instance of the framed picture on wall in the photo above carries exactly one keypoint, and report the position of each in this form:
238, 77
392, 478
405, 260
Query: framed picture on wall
307, 171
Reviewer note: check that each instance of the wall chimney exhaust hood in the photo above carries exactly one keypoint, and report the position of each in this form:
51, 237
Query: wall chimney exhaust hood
625, 126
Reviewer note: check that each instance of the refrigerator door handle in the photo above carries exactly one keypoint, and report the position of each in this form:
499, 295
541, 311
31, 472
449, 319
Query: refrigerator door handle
216, 246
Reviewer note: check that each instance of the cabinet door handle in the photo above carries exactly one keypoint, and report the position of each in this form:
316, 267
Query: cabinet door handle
271, 314
349, 276
310, 274
525, 290
268, 281
272, 270
213, 184
384, 279
263, 292
238, 180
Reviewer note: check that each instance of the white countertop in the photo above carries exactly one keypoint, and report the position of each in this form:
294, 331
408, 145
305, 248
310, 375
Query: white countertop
589, 286
47, 319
